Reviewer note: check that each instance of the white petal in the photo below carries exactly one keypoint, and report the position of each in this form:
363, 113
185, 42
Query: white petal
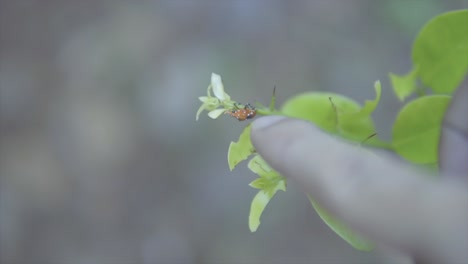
203, 98
218, 87
216, 113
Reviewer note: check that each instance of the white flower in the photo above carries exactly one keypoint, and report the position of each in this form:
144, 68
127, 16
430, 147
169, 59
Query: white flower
218, 88
221, 98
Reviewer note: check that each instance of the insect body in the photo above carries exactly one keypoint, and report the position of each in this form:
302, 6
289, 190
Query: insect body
242, 114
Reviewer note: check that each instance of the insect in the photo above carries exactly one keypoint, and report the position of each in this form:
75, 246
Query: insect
242, 114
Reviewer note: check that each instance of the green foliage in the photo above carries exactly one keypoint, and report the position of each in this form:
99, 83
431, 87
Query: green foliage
317, 108
337, 114
440, 62
269, 182
417, 128
240, 150
440, 51
404, 86
440, 58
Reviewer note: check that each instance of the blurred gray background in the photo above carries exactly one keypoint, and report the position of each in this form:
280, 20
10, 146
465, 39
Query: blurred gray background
101, 158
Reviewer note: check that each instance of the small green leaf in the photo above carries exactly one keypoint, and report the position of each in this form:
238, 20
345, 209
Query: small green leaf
404, 86
258, 183
355, 240
240, 150
259, 166
417, 128
358, 125
369, 105
440, 51
260, 201
269, 183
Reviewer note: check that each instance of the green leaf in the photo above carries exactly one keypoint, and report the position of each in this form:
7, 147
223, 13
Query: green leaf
240, 150
260, 167
440, 51
317, 108
358, 126
417, 128
404, 86
258, 183
269, 183
369, 105
259, 203
342, 116
355, 240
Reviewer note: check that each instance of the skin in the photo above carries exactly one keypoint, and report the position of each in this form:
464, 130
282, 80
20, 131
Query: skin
379, 195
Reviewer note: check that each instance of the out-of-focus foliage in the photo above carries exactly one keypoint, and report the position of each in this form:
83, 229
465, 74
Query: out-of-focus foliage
440, 62
440, 56
416, 130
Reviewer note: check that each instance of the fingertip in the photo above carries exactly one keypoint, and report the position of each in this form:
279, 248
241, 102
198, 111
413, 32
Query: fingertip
280, 140
267, 135
376, 194
265, 122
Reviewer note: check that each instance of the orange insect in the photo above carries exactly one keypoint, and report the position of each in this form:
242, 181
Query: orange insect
242, 114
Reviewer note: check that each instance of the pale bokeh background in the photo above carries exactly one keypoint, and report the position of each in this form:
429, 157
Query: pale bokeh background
101, 158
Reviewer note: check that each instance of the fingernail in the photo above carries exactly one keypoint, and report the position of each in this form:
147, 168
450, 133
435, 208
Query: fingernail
266, 121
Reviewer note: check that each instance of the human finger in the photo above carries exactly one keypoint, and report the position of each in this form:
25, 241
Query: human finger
453, 148
379, 196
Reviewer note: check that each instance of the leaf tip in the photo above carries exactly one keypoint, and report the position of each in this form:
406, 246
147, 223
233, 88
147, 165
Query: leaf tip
253, 225
231, 162
377, 85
